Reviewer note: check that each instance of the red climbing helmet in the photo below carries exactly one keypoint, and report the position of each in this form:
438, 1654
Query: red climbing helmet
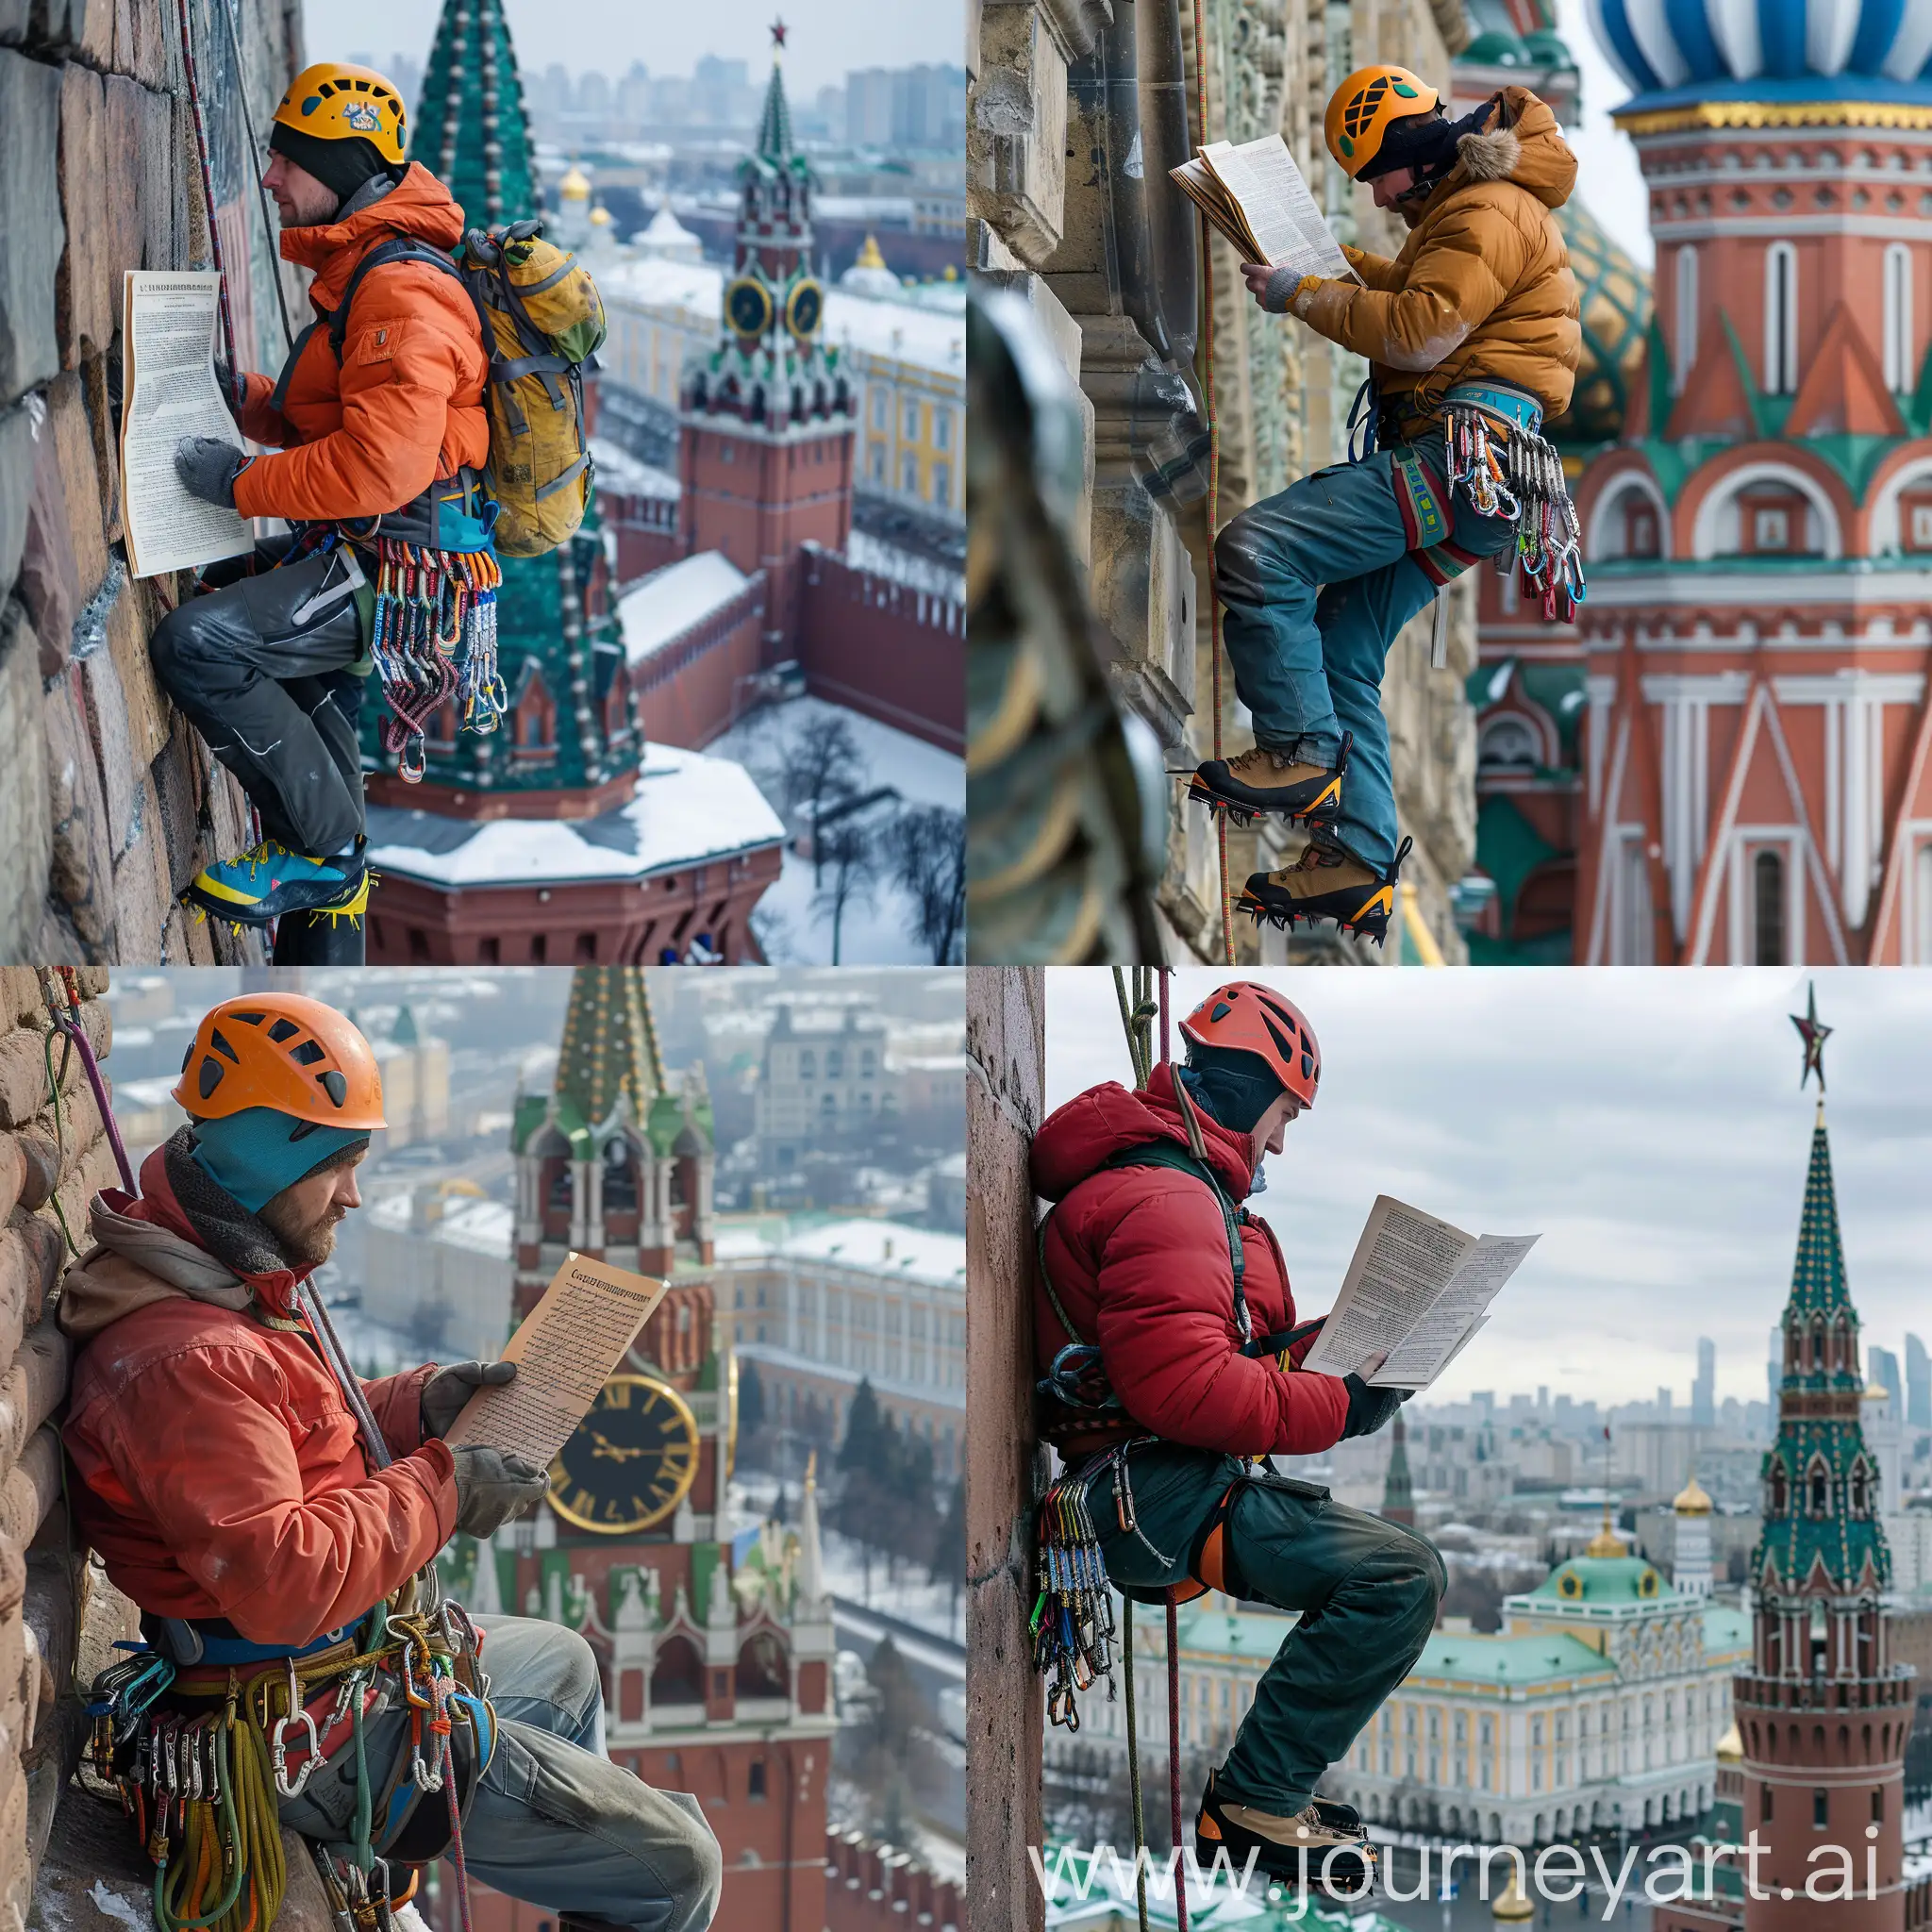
1248, 1017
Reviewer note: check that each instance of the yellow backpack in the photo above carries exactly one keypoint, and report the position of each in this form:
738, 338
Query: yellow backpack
543, 319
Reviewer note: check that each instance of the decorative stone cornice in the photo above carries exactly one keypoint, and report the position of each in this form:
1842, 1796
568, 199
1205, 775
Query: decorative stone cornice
1775, 115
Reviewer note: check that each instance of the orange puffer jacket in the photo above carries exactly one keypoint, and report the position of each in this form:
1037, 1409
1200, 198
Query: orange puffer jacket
406, 407
220, 1470
1482, 289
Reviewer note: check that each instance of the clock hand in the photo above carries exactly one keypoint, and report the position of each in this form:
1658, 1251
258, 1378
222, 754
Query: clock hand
605, 1448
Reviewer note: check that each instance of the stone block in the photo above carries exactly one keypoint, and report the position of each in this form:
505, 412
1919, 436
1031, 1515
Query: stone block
74, 447
49, 584
16, 486
174, 793
54, 25
83, 313
142, 897
15, 16
95, 22
31, 1489
119, 194
13, 1169
155, 193
29, 141
104, 431
26, 835
81, 875
32, 1253
149, 714
121, 775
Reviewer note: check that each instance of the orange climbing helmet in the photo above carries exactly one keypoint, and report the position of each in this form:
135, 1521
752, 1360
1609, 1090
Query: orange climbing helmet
1365, 106
335, 101
283, 1051
1248, 1016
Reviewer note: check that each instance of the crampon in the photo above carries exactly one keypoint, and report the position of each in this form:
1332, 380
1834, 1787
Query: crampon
1326, 883
1262, 783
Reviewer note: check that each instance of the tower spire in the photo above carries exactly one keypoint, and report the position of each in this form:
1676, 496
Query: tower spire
609, 1045
471, 128
1398, 1494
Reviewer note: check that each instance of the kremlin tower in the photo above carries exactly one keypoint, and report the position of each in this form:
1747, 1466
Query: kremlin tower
1756, 779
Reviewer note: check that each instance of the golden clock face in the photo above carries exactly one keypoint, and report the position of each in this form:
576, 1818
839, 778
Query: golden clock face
748, 307
805, 308
631, 1461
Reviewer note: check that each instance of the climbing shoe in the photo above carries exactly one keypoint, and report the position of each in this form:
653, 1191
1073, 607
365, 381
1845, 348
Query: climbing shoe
1268, 783
268, 880
1326, 882
1322, 1845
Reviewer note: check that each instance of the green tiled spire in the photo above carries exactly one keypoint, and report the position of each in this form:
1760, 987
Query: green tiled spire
609, 1045
1398, 1493
1821, 1500
470, 129
774, 122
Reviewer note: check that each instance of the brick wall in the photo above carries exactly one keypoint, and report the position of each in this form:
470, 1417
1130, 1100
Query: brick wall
109, 804
875, 1887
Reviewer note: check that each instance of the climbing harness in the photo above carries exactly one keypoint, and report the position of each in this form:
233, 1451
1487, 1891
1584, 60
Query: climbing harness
434, 640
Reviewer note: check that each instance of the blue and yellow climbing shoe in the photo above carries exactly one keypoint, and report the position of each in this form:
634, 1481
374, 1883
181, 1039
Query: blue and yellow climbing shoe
1326, 882
268, 880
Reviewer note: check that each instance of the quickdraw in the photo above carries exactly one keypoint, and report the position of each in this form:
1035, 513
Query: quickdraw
434, 640
1522, 479
1073, 1620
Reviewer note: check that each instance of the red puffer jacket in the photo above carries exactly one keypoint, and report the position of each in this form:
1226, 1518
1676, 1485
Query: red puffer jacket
1138, 1258
220, 1470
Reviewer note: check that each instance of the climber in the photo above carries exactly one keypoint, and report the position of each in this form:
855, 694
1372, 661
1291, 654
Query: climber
1472, 339
1138, 1258
220, 1470
269, 664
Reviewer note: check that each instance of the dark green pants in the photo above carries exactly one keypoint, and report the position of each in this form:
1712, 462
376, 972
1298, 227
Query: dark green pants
1366, 1590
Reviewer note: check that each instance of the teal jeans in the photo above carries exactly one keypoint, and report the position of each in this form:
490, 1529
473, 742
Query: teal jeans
1314, 584
1366, 1590
554, 1822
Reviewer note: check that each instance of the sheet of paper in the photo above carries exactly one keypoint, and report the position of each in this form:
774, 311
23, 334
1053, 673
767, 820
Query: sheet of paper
1404, 1259
1283, 214
567, 1348
168, 380
1454, 1315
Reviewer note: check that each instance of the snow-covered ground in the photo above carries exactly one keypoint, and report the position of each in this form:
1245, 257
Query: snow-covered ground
877, 929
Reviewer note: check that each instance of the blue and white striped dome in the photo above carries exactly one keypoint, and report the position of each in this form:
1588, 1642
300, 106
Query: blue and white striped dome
1774, 50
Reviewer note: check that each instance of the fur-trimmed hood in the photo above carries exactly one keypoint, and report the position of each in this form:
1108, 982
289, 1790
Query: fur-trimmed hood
1521, 144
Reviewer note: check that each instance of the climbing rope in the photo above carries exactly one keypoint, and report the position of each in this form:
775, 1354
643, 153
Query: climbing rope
208, 182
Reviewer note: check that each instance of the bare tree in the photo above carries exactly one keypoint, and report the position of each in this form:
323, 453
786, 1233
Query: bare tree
821, 765
849, 851
929, 861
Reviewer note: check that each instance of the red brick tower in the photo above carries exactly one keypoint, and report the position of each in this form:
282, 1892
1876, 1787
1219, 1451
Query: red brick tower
716, 1655
765, 442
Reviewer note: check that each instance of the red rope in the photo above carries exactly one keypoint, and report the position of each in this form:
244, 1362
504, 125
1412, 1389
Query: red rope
1174, 1756
207, 184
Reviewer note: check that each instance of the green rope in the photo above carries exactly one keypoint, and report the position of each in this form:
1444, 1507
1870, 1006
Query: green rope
54, 1080
1134, 1763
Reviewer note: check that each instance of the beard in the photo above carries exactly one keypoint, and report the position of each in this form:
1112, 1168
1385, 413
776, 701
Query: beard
305, 1245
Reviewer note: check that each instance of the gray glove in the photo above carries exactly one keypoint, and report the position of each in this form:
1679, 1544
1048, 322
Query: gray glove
448, 1389
1369, 1409
207, 468
225, 381
1280, 290
493, 1486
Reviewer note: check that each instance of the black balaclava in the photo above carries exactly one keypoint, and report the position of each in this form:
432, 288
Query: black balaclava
1426, 142
342, 166
1237, 1088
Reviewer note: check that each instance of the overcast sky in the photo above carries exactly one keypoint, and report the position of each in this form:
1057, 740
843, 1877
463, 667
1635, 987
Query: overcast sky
1647, 1123
827, 36
1609, 181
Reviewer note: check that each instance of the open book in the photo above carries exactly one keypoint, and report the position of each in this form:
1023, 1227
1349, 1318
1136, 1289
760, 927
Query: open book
1260, 201
1414, 1296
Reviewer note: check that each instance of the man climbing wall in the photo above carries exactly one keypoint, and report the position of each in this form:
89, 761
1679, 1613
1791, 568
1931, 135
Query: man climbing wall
1472, 340
1202, 1363
274, 1516
387, 430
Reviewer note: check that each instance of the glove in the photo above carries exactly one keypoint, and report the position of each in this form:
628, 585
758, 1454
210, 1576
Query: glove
1369, 1409
225, 381
207, 468
448, 1389
493, 1486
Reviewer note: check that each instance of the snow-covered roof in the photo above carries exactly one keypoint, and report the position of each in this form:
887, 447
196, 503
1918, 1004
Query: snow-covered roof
890, 1248
483, 1226
688, 809
906, 331
672, 601
617, 469
668, 236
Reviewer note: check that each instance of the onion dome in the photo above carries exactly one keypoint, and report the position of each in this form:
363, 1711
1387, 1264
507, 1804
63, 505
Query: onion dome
1690, 1499
600, 216
1615, 298
1605, 1542
1495, 49
1513, 1909
1680, 52
869, 275
575, 184
1730, 1747
1877, 1392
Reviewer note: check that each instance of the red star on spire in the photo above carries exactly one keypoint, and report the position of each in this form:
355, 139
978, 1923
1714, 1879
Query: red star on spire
778, 32
1814, 1036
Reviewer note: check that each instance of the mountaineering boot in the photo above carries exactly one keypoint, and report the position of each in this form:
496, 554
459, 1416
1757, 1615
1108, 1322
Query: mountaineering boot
1326, 882
268, 880
1295, 1848
1264, 781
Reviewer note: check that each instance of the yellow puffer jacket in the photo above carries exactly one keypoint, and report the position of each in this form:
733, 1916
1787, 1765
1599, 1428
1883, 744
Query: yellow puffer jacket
1482, 289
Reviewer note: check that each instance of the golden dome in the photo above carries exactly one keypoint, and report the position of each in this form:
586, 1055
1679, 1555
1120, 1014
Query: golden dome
1513, 1908
1690, 1499
869, 257
1605, 1542
600, 216
575, 184
1877, 1392
1730, 1747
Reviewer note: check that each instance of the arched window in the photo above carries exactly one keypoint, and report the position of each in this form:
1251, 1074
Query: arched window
1686, 318
1897, 331
620, 1179
1780, 1494
679, 1676
1780, 319
1509, 741
1767, 907
1818, 1482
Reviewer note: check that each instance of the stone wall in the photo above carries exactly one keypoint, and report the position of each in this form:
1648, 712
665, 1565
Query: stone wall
876, 1887
109, 803
1063, 209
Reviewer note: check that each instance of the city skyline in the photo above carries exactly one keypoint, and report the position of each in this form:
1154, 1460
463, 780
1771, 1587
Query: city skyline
1667, 1204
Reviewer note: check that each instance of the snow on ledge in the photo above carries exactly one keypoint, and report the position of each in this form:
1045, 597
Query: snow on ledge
663, 607
689, 810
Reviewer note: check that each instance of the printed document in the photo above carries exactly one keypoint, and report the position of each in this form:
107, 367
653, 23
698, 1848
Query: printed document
1256, 197
168, 381
1414, 1296
568, 1347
